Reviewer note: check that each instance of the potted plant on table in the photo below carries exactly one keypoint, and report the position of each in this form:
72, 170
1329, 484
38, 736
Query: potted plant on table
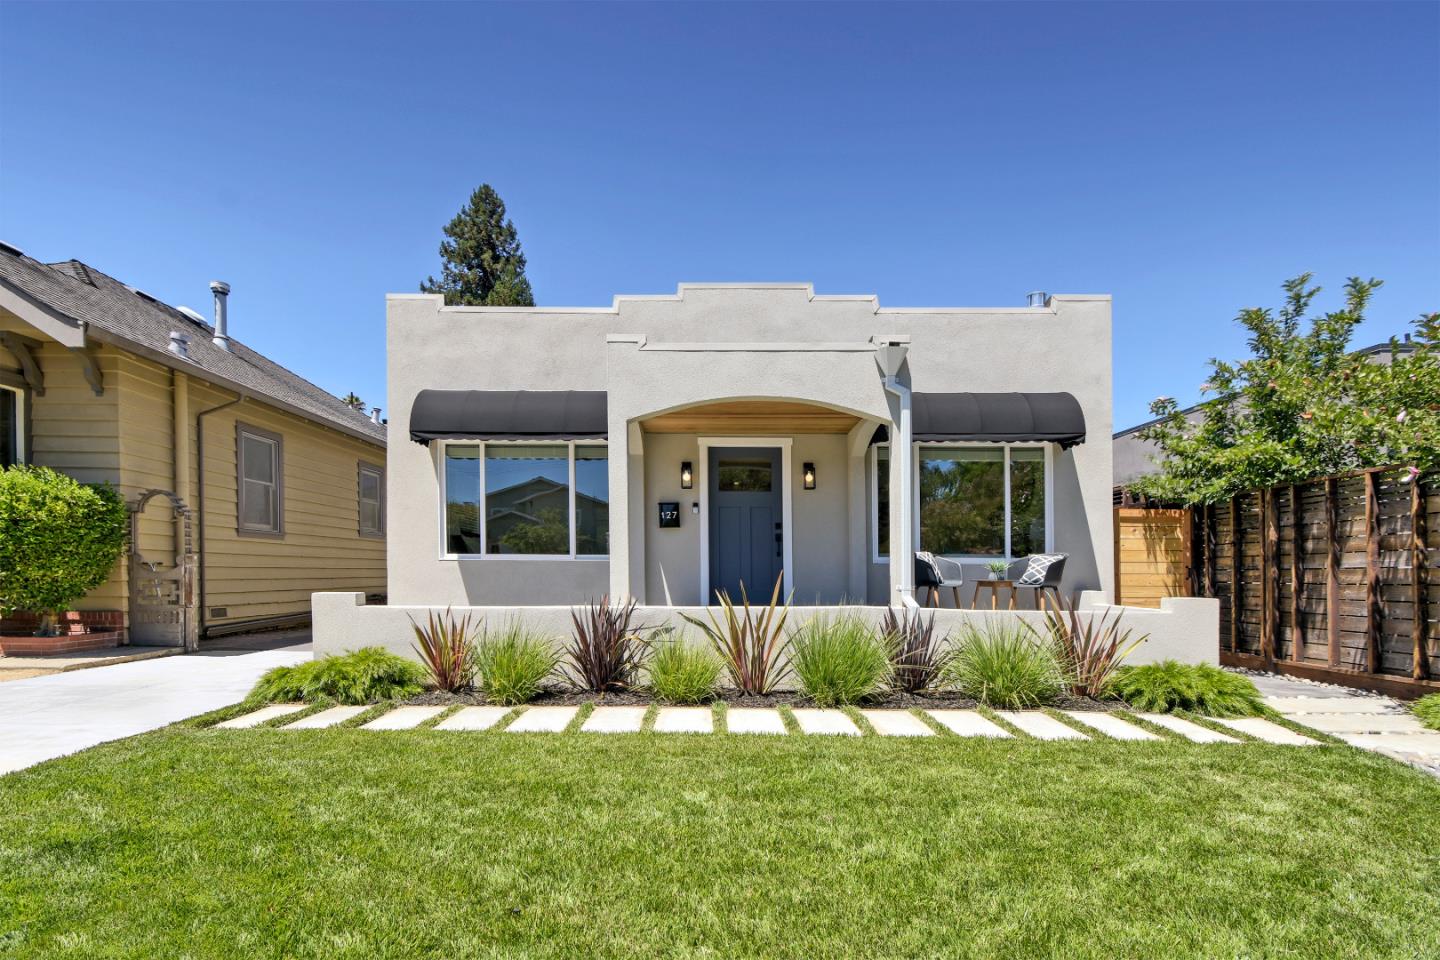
998, 569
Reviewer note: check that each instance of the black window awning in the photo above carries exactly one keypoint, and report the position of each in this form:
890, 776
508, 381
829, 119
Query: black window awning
508, 415
996, 418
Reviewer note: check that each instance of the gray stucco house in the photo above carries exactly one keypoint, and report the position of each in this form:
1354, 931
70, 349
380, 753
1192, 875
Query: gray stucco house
666, 447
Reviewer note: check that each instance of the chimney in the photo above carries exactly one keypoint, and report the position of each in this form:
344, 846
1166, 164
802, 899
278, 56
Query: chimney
375, 414
1036, 298
179, 345
221, 290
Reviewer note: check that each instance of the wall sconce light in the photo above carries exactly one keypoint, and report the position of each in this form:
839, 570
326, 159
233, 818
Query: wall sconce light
809, 476
687, 476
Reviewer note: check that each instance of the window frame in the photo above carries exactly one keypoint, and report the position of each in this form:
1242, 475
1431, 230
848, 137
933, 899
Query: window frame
242, 430
570, 445
875, 555
15, 383
361, 468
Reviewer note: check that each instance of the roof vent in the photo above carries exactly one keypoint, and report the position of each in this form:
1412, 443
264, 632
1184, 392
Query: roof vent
221, 289
179, 345
375, 414
1036, 298
194, 315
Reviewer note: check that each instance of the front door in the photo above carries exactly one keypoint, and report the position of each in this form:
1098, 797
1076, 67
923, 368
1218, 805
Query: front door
747, 537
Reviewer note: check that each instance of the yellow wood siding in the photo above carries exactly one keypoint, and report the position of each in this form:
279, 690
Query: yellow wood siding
126, 437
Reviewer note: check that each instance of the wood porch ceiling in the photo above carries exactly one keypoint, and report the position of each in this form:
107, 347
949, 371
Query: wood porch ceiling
752, 418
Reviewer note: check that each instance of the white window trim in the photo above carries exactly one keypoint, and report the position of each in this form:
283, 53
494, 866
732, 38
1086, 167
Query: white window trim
1049, 448
277, 443
20, 411
483, 512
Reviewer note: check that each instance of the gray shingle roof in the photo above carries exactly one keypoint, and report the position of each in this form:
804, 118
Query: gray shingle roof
81, 292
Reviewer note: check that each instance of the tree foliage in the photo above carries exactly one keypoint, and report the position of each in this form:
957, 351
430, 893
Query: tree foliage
59, 539
482, 261
1302, 405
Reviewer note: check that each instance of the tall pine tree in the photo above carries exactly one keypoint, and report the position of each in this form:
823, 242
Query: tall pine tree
482, 261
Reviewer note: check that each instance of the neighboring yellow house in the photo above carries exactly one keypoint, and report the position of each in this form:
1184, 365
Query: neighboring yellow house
283, 483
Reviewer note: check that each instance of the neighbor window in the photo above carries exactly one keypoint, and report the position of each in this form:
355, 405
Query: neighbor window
260, 483
370, 490
12, 437
982, 501
539, 499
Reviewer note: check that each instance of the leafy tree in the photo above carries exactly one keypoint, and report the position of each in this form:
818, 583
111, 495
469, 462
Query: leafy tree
59, 539
483, 264
352, 401
549, 533
1303, 405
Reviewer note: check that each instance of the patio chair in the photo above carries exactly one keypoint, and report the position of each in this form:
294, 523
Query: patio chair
933, 573
1038, 573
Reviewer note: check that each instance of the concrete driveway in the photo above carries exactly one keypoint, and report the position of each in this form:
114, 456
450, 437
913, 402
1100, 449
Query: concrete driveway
51, 716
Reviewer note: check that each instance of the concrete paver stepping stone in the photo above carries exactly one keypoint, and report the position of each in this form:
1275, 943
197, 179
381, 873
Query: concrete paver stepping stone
1426, 746
473, 718
1262, 729
325, 718
614, 720
1299, 705
1042, 726
543, 720
897, 723
827, 722
402, 718
968, 723
261, 715
1361, 722
1112, 726
685, 720
753, 720
1190, 731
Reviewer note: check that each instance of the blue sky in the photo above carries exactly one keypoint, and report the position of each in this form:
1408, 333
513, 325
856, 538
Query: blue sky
1185, 158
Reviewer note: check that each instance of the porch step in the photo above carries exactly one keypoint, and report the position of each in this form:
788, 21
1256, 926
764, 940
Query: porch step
325, 718
685, 720
402, 718
260, 716
473, 718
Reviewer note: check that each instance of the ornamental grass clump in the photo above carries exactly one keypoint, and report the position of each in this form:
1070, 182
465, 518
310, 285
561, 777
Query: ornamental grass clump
751, 643
512, 664
839, 661
447, 648
367, 675
918, 655
1090, 651
1427, 711
1003, 665
1170, 685
682, 672
604, 652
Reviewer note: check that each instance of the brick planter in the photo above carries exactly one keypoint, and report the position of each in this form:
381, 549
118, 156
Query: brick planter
81, 630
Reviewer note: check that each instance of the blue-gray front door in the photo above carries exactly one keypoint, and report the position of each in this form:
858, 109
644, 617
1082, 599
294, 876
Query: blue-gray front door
747, 539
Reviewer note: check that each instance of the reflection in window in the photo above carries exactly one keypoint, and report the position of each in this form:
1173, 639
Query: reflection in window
462, 498
746, 476
592, 500
962, 501
1027, 501
527, 499
882, 501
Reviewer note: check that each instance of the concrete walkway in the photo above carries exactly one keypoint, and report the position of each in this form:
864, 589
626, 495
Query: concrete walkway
51, 716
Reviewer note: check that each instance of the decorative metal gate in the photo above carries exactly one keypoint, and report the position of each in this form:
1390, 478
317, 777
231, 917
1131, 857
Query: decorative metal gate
162, 595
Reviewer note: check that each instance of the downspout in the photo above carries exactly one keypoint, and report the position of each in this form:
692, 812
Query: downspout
200, 505
891, 355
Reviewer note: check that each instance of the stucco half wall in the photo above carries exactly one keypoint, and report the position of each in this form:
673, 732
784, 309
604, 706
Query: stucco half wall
1184, 628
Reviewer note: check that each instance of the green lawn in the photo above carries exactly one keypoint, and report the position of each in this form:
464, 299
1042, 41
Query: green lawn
347, 843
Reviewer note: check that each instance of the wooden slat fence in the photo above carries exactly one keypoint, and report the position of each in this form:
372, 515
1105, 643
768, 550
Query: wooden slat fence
1336, 579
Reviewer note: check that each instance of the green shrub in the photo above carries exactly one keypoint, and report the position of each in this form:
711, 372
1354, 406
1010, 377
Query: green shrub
1427, 709
750, 641
59, 539
1089, 651
682, 672
367, 675
839, 661
513, 663
1003, 665
1198, 687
